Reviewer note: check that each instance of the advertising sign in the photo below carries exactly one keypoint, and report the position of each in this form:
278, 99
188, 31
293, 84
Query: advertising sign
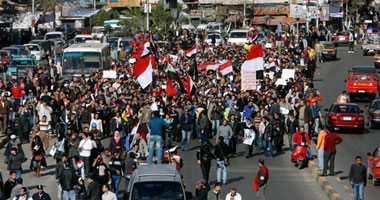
297, 11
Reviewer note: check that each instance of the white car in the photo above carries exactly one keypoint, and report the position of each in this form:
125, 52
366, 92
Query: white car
189, 27
218, 39
35, 50
201, 27
238, 37
98, 31
82, 38
57, 35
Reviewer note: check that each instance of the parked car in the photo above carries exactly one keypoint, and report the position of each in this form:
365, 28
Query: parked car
35, 50
162, 182
362, 85
347, 116
370, 47
218, 39
329, 51
374, 113
238, 37
373, 170
341, 38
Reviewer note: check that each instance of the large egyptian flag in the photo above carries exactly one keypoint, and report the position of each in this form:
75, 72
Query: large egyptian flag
254, 61
190, 86
192, 51
170, 90
143, 69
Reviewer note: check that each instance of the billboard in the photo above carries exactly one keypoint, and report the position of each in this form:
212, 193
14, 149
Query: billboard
297, 11
324, 14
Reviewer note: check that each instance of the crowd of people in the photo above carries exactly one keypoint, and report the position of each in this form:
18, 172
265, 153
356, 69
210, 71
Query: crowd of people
79, 114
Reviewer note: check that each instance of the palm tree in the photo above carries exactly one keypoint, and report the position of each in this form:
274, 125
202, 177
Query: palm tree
136, 24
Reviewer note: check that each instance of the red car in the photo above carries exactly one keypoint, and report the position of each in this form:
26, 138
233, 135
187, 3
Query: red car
364, 84
341, 38
346, 116
374, 165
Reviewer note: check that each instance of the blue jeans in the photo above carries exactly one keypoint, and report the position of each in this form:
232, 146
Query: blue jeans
358, 191
68, 195
219, 167
316, 125
321, 153
155, 144
268, 144
36, 164
185, 136
215, 126
227, 141
290, 138
115, 184
18, 173
12, 119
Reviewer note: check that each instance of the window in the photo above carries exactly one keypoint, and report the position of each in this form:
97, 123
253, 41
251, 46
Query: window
346, 109
157, 191
238, 35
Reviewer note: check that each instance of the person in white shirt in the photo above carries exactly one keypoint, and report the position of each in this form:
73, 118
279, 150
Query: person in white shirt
85, 147
233, 195
351, 39
23, 195
107, 194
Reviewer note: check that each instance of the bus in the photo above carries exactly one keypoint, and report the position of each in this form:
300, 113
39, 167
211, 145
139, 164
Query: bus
85, 59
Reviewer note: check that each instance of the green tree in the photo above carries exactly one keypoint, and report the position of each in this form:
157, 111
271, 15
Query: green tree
161, 18
136, 21
99, 18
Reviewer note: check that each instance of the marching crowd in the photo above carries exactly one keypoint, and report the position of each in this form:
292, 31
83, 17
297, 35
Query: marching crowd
77, 115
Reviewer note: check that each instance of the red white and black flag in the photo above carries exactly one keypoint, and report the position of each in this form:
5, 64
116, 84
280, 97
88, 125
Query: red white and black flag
143, 69
192, 51
190, 86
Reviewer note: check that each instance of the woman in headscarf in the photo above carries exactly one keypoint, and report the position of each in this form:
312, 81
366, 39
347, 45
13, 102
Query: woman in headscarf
115, 143
39, 156
61, 146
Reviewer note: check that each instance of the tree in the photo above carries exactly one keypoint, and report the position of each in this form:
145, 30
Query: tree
136, 23
161, 18
99, 18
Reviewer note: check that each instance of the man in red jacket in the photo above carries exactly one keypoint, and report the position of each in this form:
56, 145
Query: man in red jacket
301, 138
17, 93
261, 180
331, 140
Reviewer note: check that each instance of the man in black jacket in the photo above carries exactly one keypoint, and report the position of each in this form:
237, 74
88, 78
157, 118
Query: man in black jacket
15, 162
10, 184
236, 127
204, 157
40, 194
221, 151
85, 117
94, 191
268, 137
202, 189
358, 178
67, 181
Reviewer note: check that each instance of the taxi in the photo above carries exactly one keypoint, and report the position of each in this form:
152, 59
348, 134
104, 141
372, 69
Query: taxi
362, 84
376, 59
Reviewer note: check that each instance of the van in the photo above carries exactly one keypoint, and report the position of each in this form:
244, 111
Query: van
55, 35
156, 182
238, 37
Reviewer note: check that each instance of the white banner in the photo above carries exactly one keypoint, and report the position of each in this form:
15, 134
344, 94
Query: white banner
297, 11
248, 80
109, 74
288, 73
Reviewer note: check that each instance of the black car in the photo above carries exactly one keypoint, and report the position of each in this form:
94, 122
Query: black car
374, 113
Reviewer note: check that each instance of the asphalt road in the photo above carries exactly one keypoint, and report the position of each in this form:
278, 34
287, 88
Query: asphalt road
329, 79
285, 182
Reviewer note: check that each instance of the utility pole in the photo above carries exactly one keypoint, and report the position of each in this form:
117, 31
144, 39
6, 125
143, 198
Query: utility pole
33, 19
94, 4
147, 15
244, 11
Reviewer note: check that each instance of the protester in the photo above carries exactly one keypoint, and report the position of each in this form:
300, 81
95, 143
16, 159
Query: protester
261, 180
221, 151
15, 162
39, 156
155, 140
202, 189
13, 143
93, 189
80, 190
10, 184
16, 189
204, 158
23, 195
215, 194
107, 194
358, 178
67, 182
331, 140
320, 147
233, 195
41, 194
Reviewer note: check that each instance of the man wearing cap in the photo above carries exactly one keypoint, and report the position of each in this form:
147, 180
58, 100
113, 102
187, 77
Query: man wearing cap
202, 189
13, 143
40, 194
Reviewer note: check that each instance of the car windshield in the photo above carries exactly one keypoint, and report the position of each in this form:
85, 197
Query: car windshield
371, 70
53, 36
346, 109
13, 51
39, 43
328, 46
361, 77
376, 105
216, 36
3, 54
125, 43
157, 191
238, 35
16, 62
33, 48
82, 39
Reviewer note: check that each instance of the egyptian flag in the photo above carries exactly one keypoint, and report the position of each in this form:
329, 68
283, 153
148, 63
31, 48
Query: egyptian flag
146, 48
143, 69
172, 74
226, 68
254, 61
137, 129
170, 91
192, 51
190, 86
271, 63
209, 66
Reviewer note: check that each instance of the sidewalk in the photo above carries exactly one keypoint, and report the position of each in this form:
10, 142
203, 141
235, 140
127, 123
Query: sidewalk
334, 187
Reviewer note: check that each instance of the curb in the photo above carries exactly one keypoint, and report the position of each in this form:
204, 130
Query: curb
326, 187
